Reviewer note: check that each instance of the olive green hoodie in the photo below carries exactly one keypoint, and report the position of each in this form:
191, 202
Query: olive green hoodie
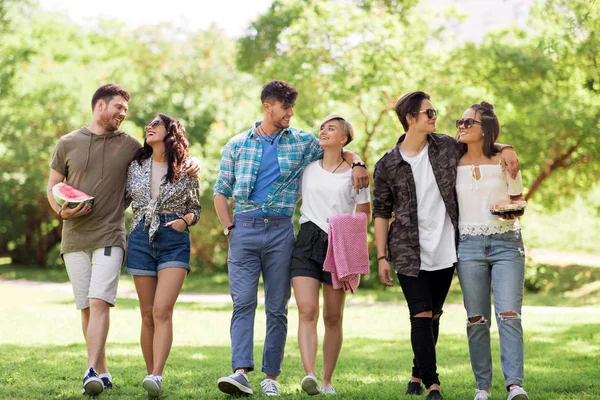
96, 165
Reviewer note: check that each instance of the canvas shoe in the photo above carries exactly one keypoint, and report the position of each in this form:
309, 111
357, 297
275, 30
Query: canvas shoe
327, 390
414, 388
517, 393
106, 380
92, 384
235, 384
310, 385
481, 394
270, 387
153, 386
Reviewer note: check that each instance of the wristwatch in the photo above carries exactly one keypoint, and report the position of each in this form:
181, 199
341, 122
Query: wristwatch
228, 229
359, 164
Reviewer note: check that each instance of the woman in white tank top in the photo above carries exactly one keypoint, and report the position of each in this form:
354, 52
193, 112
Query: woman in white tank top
490, 251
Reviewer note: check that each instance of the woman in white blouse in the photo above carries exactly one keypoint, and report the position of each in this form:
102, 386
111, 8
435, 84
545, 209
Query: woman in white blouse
490, 252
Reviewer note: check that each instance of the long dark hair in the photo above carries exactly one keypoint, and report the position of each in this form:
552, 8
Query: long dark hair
489, 125
176, 148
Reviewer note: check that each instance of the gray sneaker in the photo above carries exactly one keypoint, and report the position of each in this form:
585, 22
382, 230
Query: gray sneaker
235, 384
270, 387
310, 385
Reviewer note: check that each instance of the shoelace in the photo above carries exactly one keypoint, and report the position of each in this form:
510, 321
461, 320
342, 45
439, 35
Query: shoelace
270, 386
481, 394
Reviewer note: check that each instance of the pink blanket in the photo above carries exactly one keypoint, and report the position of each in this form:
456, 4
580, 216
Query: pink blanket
347, 251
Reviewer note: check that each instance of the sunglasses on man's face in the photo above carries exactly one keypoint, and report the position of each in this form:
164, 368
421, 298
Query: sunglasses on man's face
154, 123
469, 122
430, 112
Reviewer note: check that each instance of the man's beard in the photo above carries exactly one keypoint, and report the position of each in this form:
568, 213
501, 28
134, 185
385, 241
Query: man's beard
108, 122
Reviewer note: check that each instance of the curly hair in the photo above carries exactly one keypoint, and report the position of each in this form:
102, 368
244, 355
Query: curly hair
176, 148
489, 125
279, 91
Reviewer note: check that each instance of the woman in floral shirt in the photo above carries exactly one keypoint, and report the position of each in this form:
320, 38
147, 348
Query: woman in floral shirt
165, 203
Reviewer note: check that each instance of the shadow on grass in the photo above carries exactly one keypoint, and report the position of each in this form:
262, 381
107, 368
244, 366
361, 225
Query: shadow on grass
556, 363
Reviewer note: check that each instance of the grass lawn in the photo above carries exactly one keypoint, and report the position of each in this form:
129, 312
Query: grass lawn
42, 354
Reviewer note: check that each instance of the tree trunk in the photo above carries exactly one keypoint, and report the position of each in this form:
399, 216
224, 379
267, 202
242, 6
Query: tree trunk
560, 161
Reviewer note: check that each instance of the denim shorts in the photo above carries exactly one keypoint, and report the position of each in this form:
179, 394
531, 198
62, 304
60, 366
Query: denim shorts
169, 249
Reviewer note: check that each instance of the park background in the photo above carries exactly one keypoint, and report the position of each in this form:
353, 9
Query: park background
539, 67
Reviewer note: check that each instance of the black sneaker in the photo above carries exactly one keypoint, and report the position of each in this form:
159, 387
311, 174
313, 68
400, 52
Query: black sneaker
434, 395
414, 388
92, 385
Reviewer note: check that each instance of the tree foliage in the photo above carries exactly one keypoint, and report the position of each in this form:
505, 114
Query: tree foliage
353, 57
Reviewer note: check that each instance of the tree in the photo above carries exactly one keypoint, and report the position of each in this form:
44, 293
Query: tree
545, 83
340, 60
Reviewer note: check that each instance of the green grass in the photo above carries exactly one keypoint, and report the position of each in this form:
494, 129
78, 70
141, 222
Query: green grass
42, 354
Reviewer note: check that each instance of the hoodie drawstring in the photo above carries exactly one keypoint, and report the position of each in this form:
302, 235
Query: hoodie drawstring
87, 160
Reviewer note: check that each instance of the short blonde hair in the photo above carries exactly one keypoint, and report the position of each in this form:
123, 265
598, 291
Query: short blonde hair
347, 129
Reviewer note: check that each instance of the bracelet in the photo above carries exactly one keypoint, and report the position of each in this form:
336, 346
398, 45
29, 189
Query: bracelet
381, 258
59, 213
186, 224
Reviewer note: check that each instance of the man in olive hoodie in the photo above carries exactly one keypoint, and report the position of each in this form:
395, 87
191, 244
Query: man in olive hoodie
94, 160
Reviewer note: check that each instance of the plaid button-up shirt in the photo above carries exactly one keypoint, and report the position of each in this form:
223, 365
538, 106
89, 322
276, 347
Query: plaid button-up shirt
240, 163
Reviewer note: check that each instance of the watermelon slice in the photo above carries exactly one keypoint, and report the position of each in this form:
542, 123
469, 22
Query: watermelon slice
63, 192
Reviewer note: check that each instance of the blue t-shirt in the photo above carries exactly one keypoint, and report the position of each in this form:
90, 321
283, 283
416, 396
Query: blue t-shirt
268, 173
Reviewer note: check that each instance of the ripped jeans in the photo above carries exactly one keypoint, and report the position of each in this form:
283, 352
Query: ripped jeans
495, 263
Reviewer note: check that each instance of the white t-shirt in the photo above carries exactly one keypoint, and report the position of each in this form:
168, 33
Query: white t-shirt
159, 170
436, 233
325, 194
477, 197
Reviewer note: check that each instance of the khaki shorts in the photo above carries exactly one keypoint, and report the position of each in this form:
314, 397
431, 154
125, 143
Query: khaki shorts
94, 274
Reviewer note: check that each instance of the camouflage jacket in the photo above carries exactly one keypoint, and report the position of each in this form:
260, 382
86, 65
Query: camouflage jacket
394, 195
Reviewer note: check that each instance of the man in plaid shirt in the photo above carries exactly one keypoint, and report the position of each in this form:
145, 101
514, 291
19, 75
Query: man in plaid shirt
260, 170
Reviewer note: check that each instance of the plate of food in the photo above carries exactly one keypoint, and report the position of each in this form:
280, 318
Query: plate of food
516, 209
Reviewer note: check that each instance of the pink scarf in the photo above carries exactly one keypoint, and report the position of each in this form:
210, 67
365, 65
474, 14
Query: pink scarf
347, 251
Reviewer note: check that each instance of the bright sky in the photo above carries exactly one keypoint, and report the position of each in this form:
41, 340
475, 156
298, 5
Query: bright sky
234, 16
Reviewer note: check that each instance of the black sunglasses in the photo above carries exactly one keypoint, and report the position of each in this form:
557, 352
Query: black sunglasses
155, 123
430, 112
469, 122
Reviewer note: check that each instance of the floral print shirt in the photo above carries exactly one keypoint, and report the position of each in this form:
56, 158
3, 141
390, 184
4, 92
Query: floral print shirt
180, 197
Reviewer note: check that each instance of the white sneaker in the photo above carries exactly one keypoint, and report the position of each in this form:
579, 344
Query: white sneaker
481, 394
153, 386
310, 385
328, 390
270, 387
517, 393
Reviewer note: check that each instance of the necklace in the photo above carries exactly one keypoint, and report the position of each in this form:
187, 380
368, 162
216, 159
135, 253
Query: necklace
263, 134
335, 169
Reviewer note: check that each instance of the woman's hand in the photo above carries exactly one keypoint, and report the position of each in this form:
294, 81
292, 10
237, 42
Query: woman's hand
178, 224
385, 272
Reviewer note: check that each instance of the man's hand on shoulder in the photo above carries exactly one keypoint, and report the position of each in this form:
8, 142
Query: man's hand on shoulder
510, 161
192, 167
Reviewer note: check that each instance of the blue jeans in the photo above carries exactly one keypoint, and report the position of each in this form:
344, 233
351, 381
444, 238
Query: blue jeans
260, 246
485, 263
